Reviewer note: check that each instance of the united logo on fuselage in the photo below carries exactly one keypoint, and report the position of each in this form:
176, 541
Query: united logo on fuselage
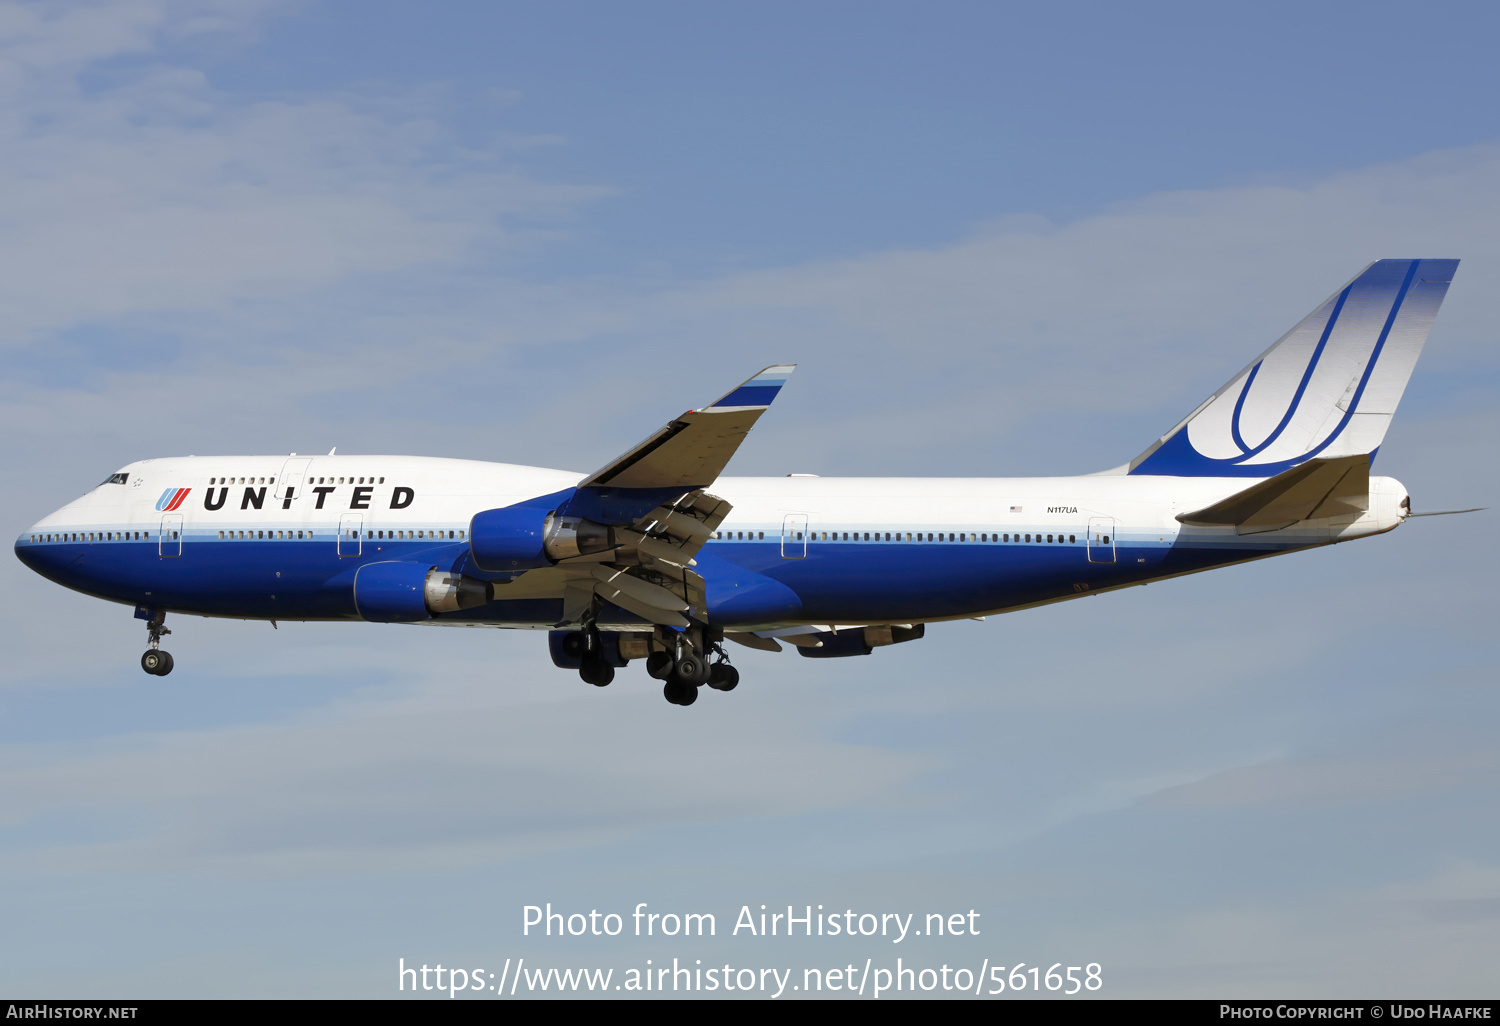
171, 499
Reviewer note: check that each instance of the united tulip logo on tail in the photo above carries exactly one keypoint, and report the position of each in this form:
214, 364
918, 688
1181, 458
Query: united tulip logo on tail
171, 499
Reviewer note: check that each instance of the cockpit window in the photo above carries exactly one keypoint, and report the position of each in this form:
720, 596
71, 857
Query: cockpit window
114, 479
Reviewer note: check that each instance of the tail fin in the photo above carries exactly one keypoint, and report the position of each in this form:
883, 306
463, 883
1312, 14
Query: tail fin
1328, 388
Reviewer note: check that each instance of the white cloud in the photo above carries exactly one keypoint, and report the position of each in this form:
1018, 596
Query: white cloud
1327, 783
157, 194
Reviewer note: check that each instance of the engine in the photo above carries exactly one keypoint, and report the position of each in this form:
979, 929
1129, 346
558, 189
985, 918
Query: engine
526, 537
402, 592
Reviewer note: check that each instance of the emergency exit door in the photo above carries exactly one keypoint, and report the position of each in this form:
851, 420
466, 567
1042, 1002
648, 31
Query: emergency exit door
794, 536
351, 526
1101, 540
169, 536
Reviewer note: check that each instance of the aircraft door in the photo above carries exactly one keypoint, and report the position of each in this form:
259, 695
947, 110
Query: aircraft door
289, 484
351, 527
794, 536
1101, 540
169, 536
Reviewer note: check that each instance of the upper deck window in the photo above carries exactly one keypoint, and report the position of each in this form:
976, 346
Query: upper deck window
115, 479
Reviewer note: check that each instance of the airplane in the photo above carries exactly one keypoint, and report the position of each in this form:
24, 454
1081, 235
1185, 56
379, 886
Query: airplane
640, 560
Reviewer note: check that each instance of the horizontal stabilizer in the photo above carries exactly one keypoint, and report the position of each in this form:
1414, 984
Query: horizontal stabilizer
1309, 491
691, 451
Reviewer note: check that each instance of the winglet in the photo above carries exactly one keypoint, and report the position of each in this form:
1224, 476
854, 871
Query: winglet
759, 391
691, 451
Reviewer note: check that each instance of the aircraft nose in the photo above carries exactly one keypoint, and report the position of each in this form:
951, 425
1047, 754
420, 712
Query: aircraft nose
47, 560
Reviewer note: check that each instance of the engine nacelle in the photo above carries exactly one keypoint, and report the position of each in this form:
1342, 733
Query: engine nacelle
616, 649
403, 592
525, 537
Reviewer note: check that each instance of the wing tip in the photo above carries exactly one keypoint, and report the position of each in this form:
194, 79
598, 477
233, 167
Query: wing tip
756, 392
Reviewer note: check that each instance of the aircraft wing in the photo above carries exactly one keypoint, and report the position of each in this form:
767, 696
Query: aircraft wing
658, 514
691, 451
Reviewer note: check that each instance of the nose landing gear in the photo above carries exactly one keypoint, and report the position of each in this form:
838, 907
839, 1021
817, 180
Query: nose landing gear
154, 661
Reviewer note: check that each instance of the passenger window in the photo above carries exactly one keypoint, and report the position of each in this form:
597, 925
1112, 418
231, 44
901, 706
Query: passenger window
1072, 540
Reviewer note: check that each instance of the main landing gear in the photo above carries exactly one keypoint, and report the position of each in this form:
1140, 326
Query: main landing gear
588, 647
683, 661
695, 659
154, 660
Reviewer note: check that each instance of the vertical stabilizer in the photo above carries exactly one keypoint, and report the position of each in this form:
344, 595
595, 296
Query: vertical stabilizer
1327, 389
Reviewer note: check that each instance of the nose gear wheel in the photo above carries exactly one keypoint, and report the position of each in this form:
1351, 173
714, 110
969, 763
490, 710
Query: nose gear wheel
154, 661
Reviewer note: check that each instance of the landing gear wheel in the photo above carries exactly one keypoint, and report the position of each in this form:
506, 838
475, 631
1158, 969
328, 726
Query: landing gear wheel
692, 669
157, 662
659, 665
724, 677
680, 693
596, 671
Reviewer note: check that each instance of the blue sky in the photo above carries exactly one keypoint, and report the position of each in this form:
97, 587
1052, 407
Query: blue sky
998, 239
